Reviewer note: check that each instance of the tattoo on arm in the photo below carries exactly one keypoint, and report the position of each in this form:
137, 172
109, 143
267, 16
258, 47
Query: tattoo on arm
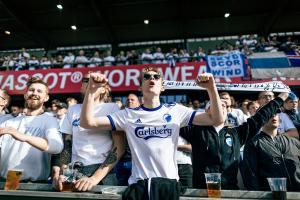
110, 158
65, 156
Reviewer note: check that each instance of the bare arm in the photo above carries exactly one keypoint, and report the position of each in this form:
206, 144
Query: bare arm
216, 116
185, 148
114, 155
37, 142
64, 159
87, 119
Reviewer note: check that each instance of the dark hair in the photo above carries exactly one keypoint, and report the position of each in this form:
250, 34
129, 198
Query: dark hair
251, 103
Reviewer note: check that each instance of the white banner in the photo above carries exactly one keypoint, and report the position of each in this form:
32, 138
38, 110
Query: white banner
274, 86
228, 65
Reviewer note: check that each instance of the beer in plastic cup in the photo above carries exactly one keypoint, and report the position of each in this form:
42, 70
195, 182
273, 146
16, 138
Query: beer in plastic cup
278, 188
213, 182
13, 179
68, 182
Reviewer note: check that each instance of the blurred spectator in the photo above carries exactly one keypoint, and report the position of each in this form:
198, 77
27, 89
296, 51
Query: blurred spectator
119, 103
58, 62
233, 102
183, 56
54, 107
71, 101
252, 107
33, 63
286, 126
197, 105
132, 101
250, 41
172, 57
290, 108
246, 51
244, 107
4, 101
274, 42
109, 60
69, 60
62, 109
21, 64
24, 54
158, 56
81, 60
199, 55
235, 117
120, 59
239, 42
95, 60
147, 57
8, 63
45, 63
24, 111
15, 110
132, 57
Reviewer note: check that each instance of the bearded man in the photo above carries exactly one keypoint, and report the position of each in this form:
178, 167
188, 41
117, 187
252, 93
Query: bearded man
27, 141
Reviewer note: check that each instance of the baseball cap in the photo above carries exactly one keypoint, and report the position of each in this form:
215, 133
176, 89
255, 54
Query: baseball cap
62, 105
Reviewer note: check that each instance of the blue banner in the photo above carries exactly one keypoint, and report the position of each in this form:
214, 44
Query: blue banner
274, 64
229, 65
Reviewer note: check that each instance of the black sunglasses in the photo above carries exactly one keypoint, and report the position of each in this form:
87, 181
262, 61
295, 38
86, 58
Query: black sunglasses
85, 80
149, 76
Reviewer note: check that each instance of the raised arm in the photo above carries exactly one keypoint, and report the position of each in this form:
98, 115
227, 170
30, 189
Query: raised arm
114, 155
96, 85
216, 116
250, 128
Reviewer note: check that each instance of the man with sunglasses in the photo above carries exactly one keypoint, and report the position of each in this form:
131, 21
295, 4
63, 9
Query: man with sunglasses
152, 132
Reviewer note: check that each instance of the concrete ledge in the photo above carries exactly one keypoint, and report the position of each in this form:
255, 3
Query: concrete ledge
45, 191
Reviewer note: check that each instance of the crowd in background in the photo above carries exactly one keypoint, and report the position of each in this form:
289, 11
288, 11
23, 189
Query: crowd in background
94, 57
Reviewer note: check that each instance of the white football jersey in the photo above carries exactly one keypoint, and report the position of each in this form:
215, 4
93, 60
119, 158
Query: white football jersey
152, 136
89, 146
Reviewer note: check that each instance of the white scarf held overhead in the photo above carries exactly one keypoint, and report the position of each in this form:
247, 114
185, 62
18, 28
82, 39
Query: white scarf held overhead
273, 86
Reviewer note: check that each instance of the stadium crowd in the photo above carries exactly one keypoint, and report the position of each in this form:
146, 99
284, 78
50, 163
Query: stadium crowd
165, 142
246, 45
148, 143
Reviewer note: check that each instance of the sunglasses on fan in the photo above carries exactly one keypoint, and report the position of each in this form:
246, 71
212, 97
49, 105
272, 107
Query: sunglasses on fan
149, 76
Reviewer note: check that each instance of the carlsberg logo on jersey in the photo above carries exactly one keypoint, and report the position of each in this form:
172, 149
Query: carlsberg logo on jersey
152, 132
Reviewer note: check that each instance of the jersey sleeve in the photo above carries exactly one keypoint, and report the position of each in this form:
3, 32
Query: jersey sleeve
118, 120
186, 115
66, 126
54, 138
287, 123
